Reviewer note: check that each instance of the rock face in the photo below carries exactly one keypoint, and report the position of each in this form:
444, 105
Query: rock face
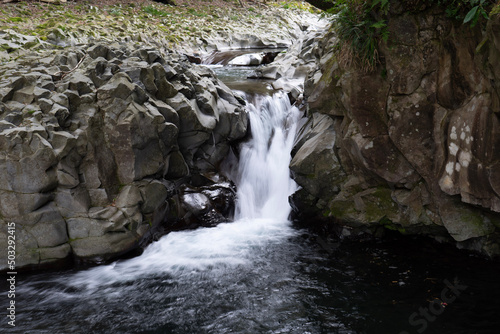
412, 146
99, 144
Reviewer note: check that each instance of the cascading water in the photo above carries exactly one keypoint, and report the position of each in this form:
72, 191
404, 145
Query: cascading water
264, 182
205, 255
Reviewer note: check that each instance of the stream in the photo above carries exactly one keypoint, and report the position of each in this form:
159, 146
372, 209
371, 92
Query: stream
265, 274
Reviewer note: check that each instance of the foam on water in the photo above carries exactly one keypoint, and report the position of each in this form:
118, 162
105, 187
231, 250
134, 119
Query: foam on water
264, 185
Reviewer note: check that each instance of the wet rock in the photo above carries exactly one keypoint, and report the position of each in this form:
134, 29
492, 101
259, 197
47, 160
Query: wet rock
207, 205
248, 60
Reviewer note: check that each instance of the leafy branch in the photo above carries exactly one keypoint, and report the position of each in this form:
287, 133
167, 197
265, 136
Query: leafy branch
476, 12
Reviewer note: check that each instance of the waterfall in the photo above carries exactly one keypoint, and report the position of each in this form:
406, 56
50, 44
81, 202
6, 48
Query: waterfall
264, 184
257, 274
263, 179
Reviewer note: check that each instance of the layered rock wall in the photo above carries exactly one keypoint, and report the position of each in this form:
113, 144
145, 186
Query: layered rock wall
99, 145
413, 145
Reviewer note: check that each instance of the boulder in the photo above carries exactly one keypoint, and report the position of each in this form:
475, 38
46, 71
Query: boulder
315, 165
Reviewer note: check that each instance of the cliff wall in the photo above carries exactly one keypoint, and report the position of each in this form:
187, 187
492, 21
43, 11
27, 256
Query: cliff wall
414, 144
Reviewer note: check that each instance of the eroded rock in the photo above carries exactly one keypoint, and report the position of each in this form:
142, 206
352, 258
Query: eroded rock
88, 159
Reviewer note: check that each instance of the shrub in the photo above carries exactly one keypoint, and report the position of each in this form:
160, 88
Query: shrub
360, 26
468, 11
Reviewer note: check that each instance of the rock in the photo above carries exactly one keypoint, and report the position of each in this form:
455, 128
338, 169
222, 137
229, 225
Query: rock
71, 202
88, 156
62, 143
80, 228
315, 165
167, 112
26, 246
31, 171
98, 197
60, 99
177, 166
50, 254
45, 105
464, 223
50, 234
24, 95
98, 249
60, 113
207, 205
154, 194
252, 59
413, 149
165, 89
120, 86
14, 204
195, 203
67, 176
80, 83
129, 196
98, 51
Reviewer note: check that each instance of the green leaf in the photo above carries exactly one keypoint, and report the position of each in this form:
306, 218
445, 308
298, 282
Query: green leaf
385, 35
470, 15
485, 15
378, 25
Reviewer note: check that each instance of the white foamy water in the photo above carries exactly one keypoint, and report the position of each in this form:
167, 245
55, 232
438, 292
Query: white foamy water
264, 185
263, 181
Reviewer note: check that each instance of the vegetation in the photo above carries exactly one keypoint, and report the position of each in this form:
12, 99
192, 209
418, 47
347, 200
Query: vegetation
362, 25
468, 11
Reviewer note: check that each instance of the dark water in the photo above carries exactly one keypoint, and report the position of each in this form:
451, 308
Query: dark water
301, 283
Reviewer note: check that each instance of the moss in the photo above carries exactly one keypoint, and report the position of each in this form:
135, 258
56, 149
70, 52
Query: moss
390, 225
473, 217
154, 11
15, 19
495, 10
341, 209
25, 12
482, 46
379, 204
